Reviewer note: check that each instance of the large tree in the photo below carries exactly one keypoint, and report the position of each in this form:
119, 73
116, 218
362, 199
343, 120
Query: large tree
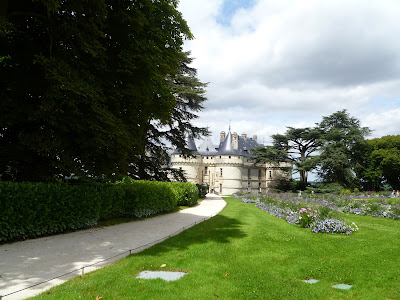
162, 136
380, 163
80, 82
342, 137
297, 145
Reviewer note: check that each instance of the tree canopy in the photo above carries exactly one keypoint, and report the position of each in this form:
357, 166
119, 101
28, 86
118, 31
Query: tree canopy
342, 137
380, 163
296, 145
332, 148
86, 86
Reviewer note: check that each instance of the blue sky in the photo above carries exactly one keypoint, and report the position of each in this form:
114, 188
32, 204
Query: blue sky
230, 7
272, 64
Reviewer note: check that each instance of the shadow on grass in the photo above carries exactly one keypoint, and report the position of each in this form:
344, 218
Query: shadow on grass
219, 229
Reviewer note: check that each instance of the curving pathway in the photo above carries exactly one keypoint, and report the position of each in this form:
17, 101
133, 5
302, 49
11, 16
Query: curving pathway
27, 263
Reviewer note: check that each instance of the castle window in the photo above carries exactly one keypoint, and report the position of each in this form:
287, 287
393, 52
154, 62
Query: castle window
259, 173
270, 174
205, 169
180, 155
220, 156
229, 156
248, 173
220, 188
220, 171
207, 157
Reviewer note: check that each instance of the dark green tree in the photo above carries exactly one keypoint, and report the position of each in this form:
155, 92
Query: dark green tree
343, 138
189, 96
80, 82
381, 163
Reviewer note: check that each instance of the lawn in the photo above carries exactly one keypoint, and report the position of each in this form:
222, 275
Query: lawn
245, 253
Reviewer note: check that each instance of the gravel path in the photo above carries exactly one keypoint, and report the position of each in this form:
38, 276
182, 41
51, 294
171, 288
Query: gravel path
26, 263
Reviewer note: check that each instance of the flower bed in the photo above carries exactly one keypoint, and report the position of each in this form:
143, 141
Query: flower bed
307, 212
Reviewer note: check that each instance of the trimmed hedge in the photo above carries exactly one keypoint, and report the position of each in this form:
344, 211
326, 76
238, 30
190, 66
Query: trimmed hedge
35, 209
186, 193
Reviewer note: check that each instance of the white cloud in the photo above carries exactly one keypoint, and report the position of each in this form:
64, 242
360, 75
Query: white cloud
288, 63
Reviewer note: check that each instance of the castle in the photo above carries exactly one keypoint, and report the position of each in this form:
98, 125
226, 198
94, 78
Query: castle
229, 168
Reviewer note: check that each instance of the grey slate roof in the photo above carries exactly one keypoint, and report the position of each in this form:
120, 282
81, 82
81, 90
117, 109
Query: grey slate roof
190, 144
225, 146
207, 147
244, 146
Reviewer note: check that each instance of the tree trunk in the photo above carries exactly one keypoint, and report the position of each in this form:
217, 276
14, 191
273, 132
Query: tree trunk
303, 176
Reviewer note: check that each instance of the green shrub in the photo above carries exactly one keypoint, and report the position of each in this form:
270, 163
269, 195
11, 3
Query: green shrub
323, 212
35, 209
203, 190
186, 193
298, 186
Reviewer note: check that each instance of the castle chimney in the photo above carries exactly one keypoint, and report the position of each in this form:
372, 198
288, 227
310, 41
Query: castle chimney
222, 135
235, 141
244, 136
255, 137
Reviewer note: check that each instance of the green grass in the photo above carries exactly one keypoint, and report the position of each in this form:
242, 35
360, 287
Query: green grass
244, 253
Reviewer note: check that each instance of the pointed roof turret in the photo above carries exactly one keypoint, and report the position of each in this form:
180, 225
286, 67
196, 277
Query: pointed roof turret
226, 147
207, 147
190, 144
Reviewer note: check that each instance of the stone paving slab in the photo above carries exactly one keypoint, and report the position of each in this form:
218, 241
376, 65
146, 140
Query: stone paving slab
26, 263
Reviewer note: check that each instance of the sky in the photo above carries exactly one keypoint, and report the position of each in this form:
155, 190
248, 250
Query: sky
277, 63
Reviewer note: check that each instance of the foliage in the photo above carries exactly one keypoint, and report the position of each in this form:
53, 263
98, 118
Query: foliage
342, 139
298, 185
36, 209
380, 163
333, 226
203, 190
328, 188
333, 147
188, 93
299, 144
313, 210
87, 86
187, 194
306, 216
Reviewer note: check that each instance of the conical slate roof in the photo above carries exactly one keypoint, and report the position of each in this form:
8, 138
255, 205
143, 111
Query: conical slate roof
190, 144
207, 147
226, 146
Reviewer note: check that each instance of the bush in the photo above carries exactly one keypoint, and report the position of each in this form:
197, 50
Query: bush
306, 216
35, 209
328, 188
187, 194
298, 186
203, 190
